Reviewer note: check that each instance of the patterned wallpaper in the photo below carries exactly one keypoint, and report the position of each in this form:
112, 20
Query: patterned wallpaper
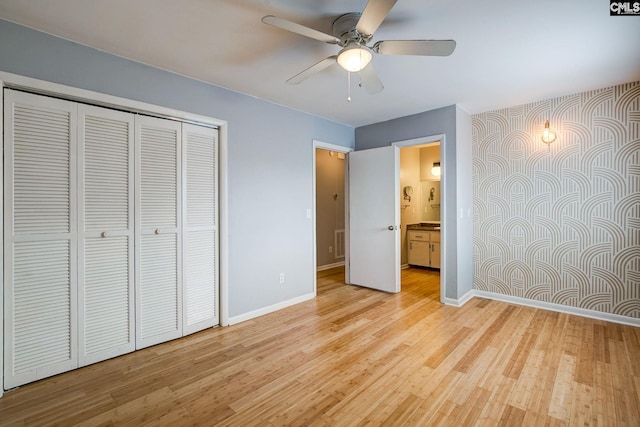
561, 223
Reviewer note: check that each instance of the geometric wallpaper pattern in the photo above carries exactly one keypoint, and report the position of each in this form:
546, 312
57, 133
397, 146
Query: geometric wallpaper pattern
560, 223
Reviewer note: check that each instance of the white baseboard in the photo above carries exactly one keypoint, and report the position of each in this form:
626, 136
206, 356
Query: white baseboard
404, 266
592, 314
270, 309
459, 302
328, 266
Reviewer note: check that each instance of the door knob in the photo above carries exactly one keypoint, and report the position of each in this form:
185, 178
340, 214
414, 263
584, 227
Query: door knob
392, 228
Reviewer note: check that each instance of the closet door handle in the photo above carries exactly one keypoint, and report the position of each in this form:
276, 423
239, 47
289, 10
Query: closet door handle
157, 231
105, 234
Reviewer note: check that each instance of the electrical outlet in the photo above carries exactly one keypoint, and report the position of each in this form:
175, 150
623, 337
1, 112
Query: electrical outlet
281, 277
330, 249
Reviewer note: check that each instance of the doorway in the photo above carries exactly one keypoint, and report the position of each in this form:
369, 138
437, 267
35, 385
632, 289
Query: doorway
420, 249
330, 211
426, 167
424, 141
330, 219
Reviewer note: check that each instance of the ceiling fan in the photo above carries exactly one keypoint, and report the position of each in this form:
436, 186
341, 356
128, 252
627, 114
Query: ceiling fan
353, 31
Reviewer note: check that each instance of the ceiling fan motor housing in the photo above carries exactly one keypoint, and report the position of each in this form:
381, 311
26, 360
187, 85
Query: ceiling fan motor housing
344, 28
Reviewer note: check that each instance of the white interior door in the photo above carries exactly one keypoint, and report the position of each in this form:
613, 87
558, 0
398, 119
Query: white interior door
40, 267
374, 218
158, 231
105, 244
200, 267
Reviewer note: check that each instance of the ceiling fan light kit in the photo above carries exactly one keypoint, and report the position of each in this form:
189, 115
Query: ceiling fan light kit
353, 31
354, 57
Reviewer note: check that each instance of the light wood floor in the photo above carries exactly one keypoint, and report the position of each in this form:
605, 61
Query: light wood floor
353, 356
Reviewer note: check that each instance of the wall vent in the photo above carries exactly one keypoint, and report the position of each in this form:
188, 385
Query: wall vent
339, 244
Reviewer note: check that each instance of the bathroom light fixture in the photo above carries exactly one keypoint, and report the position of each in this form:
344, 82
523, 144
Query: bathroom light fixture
548, 136
435, 170
354, 57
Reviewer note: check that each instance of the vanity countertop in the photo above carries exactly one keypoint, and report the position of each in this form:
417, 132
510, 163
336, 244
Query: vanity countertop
424, 226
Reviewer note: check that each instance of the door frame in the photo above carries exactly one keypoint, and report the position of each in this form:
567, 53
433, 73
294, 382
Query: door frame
443, 199
339, 149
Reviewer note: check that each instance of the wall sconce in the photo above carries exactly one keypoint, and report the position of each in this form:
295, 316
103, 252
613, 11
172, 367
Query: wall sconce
408, 192
435, 170
548, 136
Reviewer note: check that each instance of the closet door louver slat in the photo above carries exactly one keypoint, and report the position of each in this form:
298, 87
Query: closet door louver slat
41, 301
200, 251
158, 231
200, 289
106, 291
40, 234
159, 292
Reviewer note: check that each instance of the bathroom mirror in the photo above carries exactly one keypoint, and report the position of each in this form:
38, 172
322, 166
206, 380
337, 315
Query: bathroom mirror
430, 200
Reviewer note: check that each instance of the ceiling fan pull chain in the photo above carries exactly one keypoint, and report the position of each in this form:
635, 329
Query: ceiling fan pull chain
349, 86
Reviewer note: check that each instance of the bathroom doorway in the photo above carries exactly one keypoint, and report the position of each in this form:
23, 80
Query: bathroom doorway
420, 213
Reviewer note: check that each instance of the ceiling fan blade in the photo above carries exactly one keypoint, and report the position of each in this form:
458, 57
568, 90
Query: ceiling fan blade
315, 68
287, 25
370, 80
374, 13
415, 47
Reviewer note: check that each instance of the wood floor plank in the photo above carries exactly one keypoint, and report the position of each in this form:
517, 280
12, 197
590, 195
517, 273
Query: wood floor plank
512, 416
448, 347
403, 411
480, 345
585, 365
353, 356
563, 388
501, 388
528, 383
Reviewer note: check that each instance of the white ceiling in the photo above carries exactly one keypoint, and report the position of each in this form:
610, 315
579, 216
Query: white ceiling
508, 52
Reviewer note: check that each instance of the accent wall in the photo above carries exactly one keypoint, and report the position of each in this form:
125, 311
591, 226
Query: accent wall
560, 223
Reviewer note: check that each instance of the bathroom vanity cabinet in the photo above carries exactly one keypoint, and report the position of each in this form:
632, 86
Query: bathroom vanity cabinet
424, 248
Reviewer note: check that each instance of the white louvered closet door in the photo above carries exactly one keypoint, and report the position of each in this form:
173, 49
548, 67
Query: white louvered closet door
158, 231
200, 283
106, 317
40, 227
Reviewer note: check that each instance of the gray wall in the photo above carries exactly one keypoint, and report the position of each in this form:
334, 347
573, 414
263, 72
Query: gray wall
270, 156
434, 122
464, 201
